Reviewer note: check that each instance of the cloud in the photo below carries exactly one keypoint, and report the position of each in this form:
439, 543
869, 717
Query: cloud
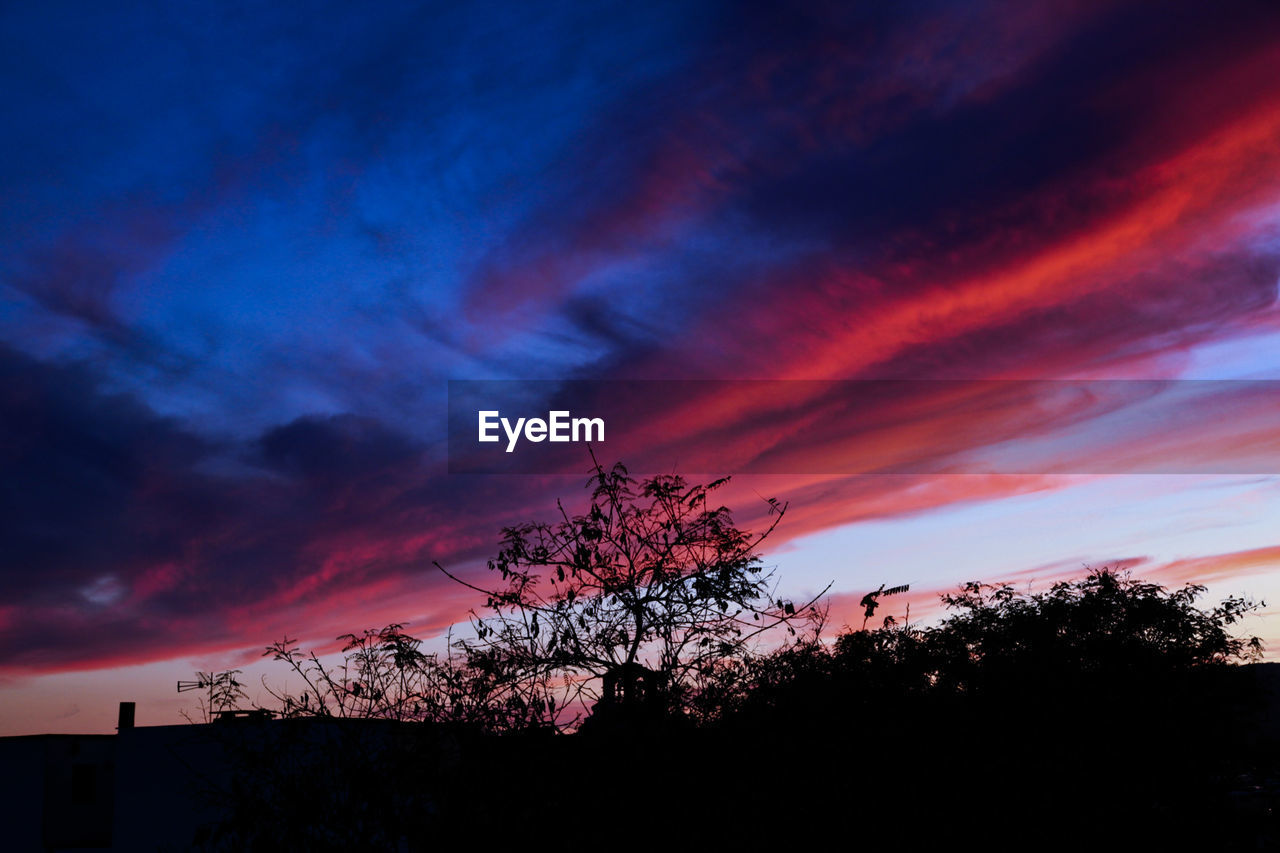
268, 242
130, 537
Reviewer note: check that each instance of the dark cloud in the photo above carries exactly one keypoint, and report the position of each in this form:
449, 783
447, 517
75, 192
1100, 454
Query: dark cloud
338, 447
128, 534
78, 464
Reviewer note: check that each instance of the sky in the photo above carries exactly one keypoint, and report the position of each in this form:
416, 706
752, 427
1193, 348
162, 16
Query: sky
243, 251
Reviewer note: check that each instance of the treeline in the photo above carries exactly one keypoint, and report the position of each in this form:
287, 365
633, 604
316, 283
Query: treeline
633, 674
1106, 710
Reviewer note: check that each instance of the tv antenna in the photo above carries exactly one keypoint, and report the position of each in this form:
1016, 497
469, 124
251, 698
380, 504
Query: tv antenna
223, 695
211, 681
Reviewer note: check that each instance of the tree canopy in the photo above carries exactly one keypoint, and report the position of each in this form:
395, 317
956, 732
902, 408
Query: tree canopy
1105, 695
653, 577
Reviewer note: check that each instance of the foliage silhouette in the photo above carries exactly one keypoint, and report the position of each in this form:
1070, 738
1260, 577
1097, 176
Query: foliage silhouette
1107, 631
1108, 697
384, 674
653, 578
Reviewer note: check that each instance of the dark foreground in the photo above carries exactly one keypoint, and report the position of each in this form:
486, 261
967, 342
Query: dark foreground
805, 765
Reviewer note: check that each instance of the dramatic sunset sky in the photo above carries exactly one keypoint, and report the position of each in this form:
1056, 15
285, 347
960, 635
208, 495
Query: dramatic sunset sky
243, 249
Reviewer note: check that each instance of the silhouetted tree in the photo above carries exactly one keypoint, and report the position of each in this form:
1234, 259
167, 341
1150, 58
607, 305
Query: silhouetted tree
1106, 622
654, 578
1107, 696
1099, 706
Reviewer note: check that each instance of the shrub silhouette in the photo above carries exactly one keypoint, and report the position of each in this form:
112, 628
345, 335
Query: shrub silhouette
385, 675
1107, 698
1102, 710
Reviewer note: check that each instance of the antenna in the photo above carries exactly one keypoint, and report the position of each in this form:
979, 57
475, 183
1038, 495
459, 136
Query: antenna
210, 680
223, 693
